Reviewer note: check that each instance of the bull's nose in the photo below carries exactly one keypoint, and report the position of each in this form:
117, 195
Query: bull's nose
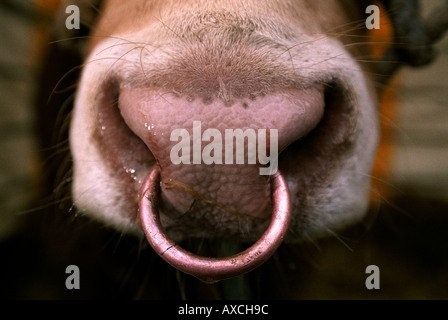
202, 169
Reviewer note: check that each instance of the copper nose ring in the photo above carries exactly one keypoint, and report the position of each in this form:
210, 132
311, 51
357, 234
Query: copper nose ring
211, 269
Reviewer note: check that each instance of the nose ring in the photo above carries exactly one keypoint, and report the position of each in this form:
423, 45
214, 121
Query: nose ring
210, 269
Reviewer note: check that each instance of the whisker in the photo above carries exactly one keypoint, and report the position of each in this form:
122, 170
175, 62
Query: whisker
337, 237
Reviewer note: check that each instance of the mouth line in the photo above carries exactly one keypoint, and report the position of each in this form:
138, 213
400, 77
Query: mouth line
310, 159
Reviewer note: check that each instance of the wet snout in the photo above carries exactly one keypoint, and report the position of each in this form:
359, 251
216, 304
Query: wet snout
221, 95
216, 157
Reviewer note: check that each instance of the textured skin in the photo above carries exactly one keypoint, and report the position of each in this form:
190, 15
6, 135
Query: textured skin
205, 60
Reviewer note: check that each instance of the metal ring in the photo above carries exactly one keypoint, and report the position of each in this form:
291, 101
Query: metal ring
210, 269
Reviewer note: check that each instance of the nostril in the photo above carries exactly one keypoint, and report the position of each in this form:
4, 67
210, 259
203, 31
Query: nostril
316, 155
309, 110
124, 151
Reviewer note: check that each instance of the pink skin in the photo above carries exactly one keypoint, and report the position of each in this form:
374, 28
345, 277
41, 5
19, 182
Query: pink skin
240, 189
206, 268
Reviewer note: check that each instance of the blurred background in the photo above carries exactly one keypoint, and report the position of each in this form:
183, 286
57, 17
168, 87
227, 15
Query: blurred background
18, 145
408, 239
420, 158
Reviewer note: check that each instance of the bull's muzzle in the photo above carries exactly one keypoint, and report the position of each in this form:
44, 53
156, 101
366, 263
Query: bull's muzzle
210, 269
